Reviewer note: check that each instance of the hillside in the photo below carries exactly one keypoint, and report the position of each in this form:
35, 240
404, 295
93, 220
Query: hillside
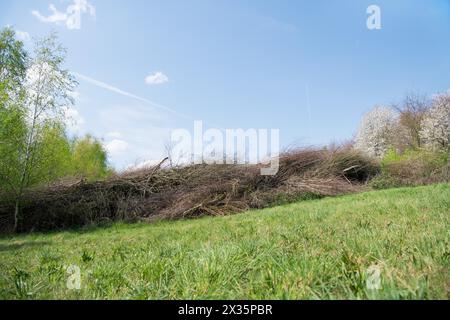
306, 250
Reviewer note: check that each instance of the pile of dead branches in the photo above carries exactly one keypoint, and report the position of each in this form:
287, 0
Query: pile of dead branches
189, 191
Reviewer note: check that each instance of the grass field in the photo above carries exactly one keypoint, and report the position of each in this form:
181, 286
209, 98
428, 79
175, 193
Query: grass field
318, 249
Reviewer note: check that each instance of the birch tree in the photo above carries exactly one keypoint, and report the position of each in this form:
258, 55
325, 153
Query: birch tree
48, 90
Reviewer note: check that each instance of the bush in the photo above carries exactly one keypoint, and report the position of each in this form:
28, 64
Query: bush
411, 168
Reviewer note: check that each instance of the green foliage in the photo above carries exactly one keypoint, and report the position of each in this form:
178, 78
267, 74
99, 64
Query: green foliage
431, 159
13, 131
412, 167
13, 128
13, 60
90, 159
55, 159
319, 249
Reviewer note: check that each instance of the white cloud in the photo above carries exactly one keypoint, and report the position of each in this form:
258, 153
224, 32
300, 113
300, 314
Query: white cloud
116, 147
23, 35
71, 17
144, 129
156, 78
56, 17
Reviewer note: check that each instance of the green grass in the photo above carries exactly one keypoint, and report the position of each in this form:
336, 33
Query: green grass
317, 249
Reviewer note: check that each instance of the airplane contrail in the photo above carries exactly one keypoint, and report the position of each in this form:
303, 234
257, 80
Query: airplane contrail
114, 89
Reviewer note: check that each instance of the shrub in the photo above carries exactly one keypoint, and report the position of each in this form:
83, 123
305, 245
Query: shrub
411, 168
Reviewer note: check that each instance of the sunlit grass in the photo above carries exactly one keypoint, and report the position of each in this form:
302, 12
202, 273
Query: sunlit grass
317, 249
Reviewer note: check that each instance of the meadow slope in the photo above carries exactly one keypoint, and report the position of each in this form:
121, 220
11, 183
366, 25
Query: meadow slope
317, 249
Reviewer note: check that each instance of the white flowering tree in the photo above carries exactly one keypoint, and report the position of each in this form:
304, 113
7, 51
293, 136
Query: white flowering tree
435, 131
375, 132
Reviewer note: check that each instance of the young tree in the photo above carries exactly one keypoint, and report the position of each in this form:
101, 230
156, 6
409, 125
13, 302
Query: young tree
47, 94
435, 132
168, 149
376, 130
34, 96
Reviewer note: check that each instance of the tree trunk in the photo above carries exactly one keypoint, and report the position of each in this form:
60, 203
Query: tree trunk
16, 215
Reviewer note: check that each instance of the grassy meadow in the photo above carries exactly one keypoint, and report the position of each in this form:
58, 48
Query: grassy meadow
315, 249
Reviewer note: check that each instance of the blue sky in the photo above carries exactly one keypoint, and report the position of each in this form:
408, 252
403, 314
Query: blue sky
309, 68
